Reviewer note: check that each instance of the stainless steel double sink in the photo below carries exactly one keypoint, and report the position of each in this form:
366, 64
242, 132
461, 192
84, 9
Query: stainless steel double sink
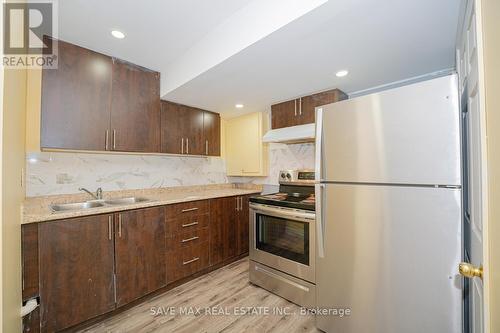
65, 207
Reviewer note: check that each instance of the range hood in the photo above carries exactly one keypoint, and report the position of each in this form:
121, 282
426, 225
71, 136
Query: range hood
293, 134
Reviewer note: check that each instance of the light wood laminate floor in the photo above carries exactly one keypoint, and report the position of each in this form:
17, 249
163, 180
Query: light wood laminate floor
226, 293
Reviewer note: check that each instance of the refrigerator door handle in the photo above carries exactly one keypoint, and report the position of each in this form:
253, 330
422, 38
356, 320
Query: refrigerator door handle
320, 229
319, 144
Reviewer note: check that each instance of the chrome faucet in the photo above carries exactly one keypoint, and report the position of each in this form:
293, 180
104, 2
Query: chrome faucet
96, 196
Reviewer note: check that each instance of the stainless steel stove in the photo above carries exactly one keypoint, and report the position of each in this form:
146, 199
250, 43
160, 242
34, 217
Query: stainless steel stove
282, 238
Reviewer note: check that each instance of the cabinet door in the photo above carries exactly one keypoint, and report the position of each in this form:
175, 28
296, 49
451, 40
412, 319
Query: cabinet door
246, 154
30, 265
223, 229
76, 270
308, 104
192, 121
230, 227
135, 108
172, 141
139, 253
211, 131
75, 100
284, 114
243, 225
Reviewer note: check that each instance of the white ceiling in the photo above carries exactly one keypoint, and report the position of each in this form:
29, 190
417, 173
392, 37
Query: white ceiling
378, 41
157, 31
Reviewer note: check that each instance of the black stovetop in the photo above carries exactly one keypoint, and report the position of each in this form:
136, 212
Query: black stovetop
300, 197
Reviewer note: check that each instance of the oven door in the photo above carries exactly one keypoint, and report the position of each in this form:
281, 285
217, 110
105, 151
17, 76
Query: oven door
284, 239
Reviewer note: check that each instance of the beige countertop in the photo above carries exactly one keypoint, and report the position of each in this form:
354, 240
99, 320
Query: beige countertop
37, 209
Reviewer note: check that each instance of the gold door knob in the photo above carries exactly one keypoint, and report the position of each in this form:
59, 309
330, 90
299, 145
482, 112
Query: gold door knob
469, 271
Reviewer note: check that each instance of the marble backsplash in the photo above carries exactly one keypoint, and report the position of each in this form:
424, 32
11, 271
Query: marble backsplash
283, 157
49, 173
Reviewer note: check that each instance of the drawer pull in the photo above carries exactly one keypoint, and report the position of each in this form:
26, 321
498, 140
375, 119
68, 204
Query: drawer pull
189, 209
190, 261
190, 239
189, 224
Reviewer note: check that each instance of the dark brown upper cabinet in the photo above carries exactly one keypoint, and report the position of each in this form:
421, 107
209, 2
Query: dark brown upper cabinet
75, 100
98, 103
188, 130
135, 108
284, 114
309, 103
76, 270
139, 253
172, 138
211, 131
301, 111
193, 130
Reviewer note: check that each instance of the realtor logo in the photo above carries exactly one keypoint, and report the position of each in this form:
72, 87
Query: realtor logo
28, 31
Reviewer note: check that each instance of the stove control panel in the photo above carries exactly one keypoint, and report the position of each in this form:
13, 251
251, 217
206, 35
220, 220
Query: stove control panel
297, 177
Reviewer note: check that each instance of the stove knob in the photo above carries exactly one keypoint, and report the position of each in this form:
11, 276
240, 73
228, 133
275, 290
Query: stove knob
283, 175
289, 176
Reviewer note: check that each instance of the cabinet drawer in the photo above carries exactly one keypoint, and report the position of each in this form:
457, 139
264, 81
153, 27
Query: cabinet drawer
186, 261
180, 225
185, 239
187, 209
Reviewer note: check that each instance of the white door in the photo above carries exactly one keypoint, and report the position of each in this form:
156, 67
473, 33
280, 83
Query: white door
473, 153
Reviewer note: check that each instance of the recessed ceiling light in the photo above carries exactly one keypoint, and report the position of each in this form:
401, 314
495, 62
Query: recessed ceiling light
342, 73
239, 106
118, 34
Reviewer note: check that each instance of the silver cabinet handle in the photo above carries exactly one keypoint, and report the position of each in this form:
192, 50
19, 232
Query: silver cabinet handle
114, 139
300, 106
295, 104
189, 224
189, 239
190, 261
110, 235
206, 147
189, 209
182, 146
114, 286
187, 145
106, 141
120, 225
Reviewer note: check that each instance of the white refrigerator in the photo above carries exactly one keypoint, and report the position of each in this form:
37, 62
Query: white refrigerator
388, 196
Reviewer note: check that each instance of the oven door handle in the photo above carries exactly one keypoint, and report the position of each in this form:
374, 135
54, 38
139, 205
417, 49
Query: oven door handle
286, 213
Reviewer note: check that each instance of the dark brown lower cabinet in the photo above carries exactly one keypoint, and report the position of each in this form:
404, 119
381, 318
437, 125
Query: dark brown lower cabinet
31, 322
187, 260
223, 229
139, 253
76, 270
29, 250
88, 266
243, 218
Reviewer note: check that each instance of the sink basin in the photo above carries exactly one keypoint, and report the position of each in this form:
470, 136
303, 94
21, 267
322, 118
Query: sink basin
96, 204
76, 206
125, 201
